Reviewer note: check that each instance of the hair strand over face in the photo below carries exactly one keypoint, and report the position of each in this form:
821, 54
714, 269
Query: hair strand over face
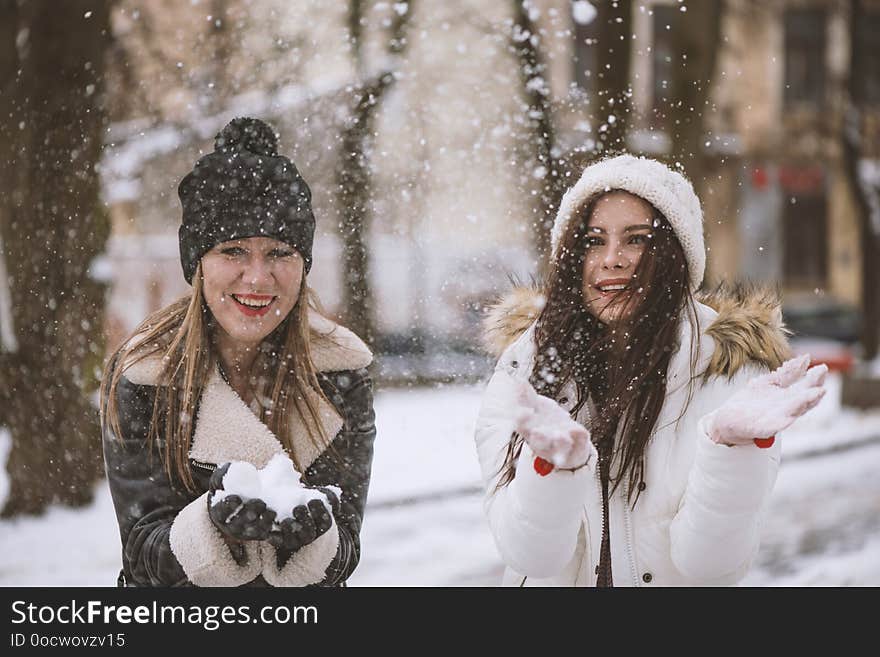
622, 366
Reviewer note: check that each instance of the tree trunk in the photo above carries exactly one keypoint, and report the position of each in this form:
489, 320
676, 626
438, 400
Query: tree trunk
548, 168
695, 45
354, 182
697, 36
613, 104
852, 153
353, 175
52, 225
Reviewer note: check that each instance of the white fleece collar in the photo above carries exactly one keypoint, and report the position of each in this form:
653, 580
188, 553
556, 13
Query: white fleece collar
227, 430
335, 348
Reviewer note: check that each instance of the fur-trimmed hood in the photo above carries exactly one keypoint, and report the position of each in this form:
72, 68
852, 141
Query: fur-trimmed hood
748, 326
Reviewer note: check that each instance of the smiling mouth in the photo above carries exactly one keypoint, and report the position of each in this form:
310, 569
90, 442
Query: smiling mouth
253, 305
610, 291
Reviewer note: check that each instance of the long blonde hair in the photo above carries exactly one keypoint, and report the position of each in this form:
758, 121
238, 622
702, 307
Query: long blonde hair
181, 334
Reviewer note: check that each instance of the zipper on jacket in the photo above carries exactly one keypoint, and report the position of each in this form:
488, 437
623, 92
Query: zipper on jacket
627, 524
210, 467
598, 479
587, 557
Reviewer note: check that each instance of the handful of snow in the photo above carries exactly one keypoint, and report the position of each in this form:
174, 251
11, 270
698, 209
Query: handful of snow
278, 484
551, 432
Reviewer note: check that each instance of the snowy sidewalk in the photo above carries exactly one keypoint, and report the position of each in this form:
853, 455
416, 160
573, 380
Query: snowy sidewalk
424, 524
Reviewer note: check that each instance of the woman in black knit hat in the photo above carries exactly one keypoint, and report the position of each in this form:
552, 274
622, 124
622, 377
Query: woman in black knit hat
238, 422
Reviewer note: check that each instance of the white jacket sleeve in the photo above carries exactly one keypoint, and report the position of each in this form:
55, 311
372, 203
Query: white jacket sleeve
534, 520
715, 534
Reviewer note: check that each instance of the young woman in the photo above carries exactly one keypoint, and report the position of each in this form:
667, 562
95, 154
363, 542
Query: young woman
617, 436
242, 369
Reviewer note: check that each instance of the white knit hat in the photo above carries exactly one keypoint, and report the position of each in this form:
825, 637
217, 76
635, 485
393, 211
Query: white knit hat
669, 191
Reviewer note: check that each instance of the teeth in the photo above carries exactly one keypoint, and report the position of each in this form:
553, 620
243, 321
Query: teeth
609, 288
251, 303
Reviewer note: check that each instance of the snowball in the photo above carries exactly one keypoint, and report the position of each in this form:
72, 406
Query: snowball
284, 499
278, 484
283, 489
279, 471
241, 479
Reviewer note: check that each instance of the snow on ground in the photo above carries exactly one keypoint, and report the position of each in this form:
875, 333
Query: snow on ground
829, 424
424, 524
823, 525
424, 442
63, 547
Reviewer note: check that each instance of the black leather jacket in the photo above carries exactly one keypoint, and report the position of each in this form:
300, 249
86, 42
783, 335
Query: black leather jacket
147, 502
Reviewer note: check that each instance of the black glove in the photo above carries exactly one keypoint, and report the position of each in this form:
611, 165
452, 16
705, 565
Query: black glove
238, 522
309, 521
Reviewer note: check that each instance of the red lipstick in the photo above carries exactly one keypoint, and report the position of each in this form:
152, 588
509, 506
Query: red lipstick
265, 301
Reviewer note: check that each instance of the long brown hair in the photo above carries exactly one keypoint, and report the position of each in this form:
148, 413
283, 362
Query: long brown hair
181, 334
622, 367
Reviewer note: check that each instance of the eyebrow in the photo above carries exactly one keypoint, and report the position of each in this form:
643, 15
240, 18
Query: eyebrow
597, 229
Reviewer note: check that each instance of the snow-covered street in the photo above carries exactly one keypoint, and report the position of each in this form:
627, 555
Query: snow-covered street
424, 524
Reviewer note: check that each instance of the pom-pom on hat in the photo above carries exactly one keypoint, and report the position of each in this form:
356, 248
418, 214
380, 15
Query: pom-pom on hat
244, 188
667, 190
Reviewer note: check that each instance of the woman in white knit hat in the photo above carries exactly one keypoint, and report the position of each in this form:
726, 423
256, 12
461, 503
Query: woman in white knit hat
630, 434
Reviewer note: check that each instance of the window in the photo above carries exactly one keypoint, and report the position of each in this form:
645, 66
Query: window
805, 234
804, 56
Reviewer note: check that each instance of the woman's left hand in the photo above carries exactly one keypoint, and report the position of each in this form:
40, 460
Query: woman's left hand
769, 403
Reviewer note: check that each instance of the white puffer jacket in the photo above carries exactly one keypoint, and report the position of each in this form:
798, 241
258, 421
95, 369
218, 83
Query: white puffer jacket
697, 519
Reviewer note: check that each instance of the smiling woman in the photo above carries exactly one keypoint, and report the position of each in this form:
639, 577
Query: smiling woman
243, 369
628, 434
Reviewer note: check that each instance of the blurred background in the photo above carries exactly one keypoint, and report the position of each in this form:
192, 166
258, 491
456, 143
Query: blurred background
437, 138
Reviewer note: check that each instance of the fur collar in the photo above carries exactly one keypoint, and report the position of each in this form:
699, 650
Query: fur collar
227, 430
747, 326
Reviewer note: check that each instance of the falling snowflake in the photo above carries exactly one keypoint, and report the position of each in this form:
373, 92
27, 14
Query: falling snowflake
583, 12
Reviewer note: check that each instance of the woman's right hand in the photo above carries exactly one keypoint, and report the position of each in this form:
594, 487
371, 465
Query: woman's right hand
550, 431
237, 520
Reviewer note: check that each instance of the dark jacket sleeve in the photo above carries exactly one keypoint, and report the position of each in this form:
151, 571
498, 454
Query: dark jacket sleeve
347, 464
146, 502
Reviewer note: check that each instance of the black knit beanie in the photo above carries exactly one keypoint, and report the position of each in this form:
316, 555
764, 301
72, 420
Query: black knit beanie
244, 188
